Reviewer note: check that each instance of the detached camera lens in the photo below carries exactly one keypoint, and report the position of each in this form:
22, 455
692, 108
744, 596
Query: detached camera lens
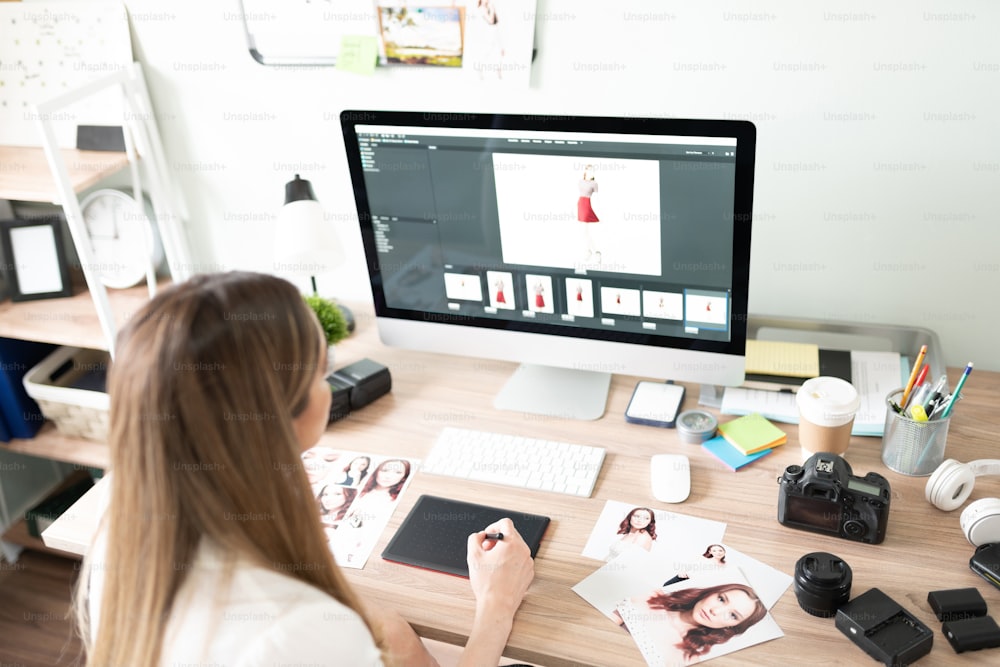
822, 583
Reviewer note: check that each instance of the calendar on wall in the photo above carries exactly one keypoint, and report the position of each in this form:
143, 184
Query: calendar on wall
51, 48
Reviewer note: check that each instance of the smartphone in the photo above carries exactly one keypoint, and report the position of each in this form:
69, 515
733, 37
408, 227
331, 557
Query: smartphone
655, 404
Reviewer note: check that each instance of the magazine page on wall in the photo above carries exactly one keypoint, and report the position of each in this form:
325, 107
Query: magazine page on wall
356, 494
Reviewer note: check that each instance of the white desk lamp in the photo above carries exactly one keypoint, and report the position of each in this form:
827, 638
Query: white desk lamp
306, 244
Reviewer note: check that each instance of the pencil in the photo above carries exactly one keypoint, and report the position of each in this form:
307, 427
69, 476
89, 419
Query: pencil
954, 396
913, 375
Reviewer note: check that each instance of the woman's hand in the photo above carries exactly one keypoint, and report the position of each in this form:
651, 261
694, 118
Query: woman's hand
500, 572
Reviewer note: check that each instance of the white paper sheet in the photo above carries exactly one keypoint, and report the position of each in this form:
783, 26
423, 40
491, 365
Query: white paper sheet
873, 374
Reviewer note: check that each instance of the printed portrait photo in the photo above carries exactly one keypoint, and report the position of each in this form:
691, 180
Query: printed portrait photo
356, 494
702, 618
622, 527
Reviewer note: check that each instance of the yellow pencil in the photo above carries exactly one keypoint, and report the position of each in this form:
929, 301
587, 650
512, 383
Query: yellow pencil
913, 376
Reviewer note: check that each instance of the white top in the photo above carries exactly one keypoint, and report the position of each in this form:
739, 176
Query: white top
654, 634
620, 546
262, 617
587, 187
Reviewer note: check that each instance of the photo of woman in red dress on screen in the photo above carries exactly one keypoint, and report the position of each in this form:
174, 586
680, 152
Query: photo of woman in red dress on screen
585, 211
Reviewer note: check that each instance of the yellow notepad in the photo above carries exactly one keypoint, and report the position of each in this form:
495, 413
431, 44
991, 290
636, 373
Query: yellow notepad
752, 433
770, 357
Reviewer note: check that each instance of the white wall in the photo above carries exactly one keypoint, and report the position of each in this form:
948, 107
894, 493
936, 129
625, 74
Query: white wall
878, 156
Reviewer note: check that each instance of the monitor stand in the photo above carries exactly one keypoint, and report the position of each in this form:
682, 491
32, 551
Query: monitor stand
556, 392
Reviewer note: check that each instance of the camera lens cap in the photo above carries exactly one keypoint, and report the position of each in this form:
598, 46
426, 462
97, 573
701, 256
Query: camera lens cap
822, 583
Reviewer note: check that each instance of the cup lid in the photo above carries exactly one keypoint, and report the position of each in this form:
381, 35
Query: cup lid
827, 401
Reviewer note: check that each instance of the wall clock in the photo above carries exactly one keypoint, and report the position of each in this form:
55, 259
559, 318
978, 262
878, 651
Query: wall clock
122, 237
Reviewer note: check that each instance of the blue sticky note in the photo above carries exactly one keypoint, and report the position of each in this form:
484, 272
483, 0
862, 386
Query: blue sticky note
733, 458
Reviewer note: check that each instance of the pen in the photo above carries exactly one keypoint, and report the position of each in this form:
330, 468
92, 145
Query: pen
919, 396
937, 394
913, 375
958, 388
494, 536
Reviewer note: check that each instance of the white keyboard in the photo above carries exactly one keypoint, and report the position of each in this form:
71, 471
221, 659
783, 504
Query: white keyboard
527, 463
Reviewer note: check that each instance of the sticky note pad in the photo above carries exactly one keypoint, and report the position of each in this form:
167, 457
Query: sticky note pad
752, 433
358, 54
767, 357
734, 459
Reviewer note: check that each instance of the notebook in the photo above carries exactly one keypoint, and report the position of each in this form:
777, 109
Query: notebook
435, 534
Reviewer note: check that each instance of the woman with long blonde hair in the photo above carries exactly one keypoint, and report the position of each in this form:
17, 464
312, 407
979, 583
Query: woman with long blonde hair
211, 549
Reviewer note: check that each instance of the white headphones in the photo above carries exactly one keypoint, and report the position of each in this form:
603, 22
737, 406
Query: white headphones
951, 485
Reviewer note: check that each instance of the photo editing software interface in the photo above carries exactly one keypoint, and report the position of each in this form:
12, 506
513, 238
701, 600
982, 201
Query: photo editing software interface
583, 231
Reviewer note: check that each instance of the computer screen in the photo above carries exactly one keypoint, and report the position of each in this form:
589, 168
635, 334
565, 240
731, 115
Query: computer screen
578, 246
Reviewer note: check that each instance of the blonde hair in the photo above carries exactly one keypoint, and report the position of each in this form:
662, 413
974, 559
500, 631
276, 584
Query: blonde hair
207, 379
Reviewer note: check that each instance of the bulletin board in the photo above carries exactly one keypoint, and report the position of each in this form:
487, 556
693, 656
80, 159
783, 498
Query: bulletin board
303, 32
485, 42
50, 48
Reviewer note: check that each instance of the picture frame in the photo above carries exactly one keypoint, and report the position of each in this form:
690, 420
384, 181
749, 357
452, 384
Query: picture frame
34, 258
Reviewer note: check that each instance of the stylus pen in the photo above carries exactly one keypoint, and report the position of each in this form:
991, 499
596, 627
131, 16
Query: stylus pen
494, 536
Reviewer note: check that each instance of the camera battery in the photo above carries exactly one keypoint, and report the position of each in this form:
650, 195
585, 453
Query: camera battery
956, 604
883, 629
368, 380
972, 634
340, 403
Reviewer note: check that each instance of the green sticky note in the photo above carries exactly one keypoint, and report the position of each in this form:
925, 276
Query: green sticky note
358, 54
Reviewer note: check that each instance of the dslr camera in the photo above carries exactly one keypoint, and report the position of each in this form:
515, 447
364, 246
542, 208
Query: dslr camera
823, 496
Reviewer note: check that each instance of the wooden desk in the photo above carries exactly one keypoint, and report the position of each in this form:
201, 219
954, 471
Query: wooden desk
924, 549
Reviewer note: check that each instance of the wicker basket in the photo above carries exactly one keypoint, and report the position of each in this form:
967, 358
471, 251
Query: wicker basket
68, 385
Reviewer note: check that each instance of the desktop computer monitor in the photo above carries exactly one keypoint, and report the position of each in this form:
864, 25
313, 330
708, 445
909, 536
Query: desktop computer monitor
577, 246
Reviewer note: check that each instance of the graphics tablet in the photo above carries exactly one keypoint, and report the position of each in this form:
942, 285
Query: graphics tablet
435, 534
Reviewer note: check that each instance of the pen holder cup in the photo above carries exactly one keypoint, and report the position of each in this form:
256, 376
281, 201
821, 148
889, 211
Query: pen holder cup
912, 447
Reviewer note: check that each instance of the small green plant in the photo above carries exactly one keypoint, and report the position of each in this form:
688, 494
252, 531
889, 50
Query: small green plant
330, 318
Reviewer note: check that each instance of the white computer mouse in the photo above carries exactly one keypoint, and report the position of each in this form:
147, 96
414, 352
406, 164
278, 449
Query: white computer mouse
670, 477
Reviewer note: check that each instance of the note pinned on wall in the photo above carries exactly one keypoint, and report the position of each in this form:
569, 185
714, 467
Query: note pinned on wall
358, 54
51, 48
